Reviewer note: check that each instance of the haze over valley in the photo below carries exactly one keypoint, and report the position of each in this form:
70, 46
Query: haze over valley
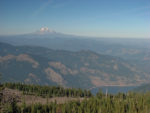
48, 57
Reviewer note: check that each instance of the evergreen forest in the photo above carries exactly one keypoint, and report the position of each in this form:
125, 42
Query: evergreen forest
130, 102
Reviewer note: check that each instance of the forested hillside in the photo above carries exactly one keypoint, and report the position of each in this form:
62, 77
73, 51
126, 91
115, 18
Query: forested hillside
101, 103
48, 91
84, 69
133, 49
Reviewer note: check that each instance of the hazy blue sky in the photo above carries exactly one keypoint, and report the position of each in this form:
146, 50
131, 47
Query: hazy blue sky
102, 18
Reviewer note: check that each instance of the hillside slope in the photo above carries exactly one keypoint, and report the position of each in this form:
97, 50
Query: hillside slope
85, 69
135, 50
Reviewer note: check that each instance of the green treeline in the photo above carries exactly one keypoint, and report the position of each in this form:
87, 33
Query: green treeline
48, 91
101, 103
120, 103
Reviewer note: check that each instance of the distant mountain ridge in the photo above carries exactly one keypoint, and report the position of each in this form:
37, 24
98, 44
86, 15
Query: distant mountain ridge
137, 50
85, 69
